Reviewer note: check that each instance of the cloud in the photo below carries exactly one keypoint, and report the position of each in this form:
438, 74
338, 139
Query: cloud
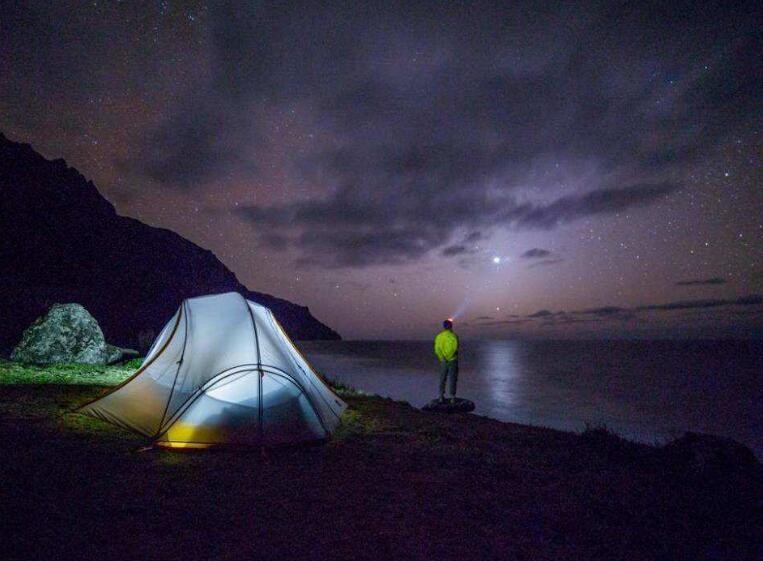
452, 250
191, 148
465, 248
545, 263
608, 312
623, 314
535, 253
702, 282
604, 311
473, 237
274, 240
541, 314
751, 300
412, 128
344, 248
565, 319
344, 230
739, 316
599, 201
547, 318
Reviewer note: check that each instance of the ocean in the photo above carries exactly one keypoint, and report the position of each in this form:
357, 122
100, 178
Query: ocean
649, 391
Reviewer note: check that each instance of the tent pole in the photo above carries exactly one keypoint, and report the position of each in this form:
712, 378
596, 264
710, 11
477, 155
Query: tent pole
260, 374
177, 372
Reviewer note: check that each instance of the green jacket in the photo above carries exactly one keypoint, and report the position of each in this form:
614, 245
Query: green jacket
446, 346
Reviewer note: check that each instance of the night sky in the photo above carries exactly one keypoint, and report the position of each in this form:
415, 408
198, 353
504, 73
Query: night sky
535, 169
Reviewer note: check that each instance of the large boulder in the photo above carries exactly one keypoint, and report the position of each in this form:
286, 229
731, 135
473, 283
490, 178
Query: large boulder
708, 455
66, 334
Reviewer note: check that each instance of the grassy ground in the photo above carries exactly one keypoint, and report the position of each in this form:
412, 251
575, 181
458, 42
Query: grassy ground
394, 483
67, 374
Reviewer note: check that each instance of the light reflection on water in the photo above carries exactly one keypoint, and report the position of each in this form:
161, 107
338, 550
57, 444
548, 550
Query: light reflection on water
646, 390
500, 374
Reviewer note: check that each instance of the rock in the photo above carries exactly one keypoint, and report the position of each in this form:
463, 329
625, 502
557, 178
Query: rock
125, 354
460, 405
66, 334
708, 455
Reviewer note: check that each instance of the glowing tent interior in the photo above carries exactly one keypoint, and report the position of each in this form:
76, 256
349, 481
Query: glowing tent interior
222, 371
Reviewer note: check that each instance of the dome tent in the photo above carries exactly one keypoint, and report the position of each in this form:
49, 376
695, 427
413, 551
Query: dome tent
222, 371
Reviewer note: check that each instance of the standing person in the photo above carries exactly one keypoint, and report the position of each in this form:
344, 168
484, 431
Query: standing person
446, 349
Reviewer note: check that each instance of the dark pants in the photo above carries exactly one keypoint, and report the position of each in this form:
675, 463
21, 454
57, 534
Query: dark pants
448, 371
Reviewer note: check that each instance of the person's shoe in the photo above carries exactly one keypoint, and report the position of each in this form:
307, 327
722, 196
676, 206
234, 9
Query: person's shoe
441, 400
453, 400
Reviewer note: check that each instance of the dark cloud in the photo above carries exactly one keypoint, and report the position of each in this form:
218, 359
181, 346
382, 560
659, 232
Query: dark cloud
420, 130
604, 311
702, 282
345, 231
274, 240
452, 250
565, 319
193, 147
465, 248
535, 253
541, 314
545, 263
473, 237
608, 312
624, 314
547, 318
343, 248
599, 201
751, 300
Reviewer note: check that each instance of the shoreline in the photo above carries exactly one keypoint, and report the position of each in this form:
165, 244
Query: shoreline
702, 388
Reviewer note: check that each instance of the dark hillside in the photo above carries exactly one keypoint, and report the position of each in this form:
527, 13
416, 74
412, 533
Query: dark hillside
62, 241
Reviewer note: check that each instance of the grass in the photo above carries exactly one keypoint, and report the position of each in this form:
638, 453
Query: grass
340, 388
66, 374
393, 482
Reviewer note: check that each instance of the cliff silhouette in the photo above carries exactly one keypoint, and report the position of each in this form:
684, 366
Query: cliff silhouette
62, 241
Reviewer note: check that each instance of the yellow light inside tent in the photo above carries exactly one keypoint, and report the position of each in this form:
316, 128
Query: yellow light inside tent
186, 445
186, 435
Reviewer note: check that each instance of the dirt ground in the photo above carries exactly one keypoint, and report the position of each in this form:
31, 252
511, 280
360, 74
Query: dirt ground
394, 483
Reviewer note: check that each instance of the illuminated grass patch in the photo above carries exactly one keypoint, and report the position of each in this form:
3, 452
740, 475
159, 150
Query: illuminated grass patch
66, 374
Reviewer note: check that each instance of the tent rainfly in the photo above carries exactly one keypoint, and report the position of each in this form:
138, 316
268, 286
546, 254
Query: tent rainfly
222, 371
